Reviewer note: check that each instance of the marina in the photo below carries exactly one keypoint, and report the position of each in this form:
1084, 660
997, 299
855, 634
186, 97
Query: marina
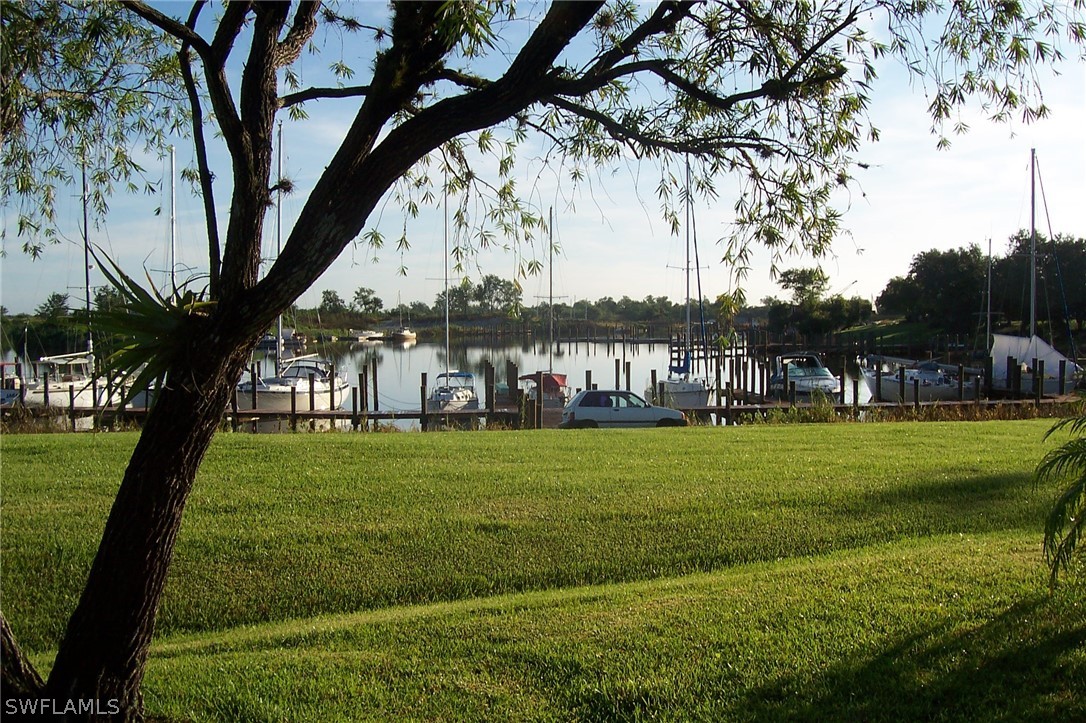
389, 384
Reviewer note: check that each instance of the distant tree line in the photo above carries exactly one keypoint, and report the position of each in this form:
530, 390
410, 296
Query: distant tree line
948, 289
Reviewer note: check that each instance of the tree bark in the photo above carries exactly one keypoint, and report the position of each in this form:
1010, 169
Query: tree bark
106, 644
18, 678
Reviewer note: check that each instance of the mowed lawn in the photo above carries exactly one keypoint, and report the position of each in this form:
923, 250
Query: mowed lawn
788, 572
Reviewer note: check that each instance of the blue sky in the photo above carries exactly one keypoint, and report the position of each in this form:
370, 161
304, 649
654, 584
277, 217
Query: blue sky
914, 198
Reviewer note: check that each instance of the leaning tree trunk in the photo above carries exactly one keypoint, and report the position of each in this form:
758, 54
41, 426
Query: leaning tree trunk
106, 644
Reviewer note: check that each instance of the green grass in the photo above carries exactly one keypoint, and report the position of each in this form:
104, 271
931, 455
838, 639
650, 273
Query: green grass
874, 572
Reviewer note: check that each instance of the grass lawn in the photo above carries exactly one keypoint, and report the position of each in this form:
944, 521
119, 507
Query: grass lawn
810, 572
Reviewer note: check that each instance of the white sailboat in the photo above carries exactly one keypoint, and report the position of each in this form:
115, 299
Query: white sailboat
453, 390
681, 388
309, 381
66, 381
1028, 351
546, 384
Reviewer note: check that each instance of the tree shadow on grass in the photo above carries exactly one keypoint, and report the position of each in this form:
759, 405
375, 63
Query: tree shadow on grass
986, 503
1028, 664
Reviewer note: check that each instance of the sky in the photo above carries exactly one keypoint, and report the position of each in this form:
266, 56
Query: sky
911, 198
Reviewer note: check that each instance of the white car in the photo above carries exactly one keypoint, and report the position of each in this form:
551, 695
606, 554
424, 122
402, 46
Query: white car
616, 408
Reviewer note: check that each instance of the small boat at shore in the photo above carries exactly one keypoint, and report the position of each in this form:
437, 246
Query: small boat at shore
925, 381
555, 389
296, 379
806, 371
453, 391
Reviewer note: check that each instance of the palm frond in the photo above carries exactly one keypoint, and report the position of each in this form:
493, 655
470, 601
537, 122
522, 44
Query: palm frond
1067, 518
1064, 527
154, 329
1077, 424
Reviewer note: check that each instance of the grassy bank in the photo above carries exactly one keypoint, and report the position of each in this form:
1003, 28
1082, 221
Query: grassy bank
801, 571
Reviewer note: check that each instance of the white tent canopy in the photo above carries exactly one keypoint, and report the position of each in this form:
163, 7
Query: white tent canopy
1025, 350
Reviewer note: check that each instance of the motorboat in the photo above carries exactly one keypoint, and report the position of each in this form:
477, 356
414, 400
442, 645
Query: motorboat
806, 371
453, 391
304, 378
555, 389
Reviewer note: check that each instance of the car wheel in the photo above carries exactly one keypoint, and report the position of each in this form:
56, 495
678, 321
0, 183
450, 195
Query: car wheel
669, 423
588, 424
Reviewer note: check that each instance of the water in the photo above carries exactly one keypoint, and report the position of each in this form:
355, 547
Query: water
400, 366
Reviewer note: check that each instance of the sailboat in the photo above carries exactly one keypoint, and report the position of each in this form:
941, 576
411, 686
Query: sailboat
453, 390
310, 381
66, 381
1028, 351
546, 385
681, 388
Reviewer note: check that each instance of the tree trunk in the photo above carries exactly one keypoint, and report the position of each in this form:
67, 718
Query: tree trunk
18, 678
105, 647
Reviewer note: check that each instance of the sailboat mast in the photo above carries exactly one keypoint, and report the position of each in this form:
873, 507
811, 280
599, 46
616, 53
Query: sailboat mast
1032, 242
445, 212
279, 243
988, 310
550, 298
87, 265
688, 331
173, 220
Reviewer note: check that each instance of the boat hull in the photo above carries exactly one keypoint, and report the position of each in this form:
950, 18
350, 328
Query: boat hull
682, 393
929, 390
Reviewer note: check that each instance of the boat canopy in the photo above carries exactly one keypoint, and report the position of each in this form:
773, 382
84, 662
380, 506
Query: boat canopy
1025, 350
461, 377
551, 382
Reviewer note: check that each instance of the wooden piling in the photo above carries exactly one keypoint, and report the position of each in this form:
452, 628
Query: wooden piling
376, 397
424, 421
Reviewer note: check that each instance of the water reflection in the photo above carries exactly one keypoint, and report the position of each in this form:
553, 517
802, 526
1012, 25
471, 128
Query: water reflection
400, 365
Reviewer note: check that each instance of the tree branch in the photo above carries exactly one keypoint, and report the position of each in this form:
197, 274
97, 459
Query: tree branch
206, 190
305, 24
169, 26
317, 93
662, 21
849, 20
213, 57
414, 58
233, 20
471, 82
625, 134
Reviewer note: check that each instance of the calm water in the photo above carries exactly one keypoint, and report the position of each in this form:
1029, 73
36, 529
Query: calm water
400, 366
